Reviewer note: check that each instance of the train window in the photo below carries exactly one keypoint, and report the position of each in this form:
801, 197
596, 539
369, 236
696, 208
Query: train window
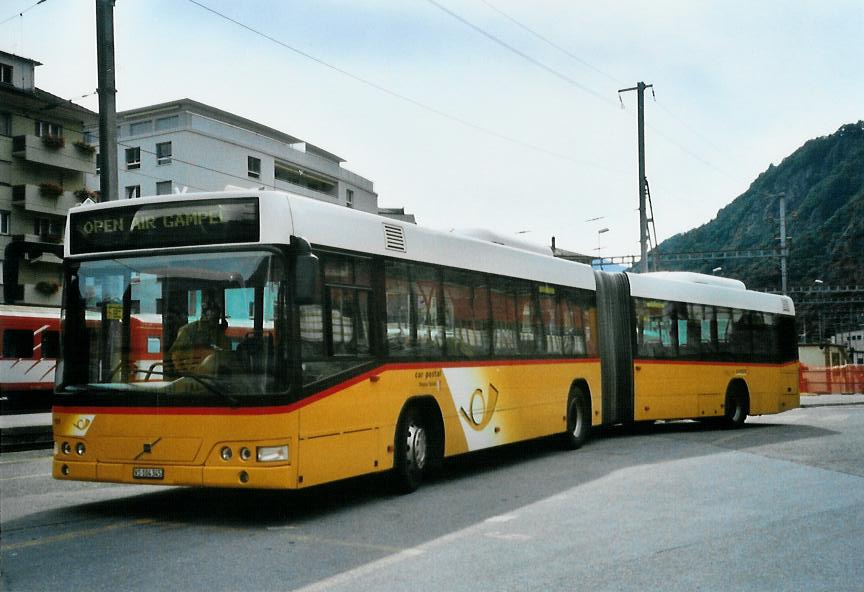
17, 343
51, 344
154, 345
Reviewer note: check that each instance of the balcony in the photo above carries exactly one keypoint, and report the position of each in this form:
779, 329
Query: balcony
30, 198
69, 157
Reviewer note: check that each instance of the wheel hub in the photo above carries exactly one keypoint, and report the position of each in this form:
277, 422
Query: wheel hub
416, 455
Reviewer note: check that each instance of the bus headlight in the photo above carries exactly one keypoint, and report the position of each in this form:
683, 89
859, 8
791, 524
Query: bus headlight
245, 453
225, 453
66, 448
80, 449
272, 453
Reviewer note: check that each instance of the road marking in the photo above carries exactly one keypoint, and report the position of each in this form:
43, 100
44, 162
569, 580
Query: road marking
502, 518
343, 543
68, 536
25, 477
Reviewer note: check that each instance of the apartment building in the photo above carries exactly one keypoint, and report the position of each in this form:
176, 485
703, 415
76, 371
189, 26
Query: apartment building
43, 163
185, 145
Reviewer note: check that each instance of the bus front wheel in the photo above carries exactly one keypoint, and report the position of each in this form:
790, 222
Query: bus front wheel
411, 451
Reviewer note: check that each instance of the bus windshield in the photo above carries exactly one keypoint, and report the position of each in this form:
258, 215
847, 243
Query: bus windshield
204, 325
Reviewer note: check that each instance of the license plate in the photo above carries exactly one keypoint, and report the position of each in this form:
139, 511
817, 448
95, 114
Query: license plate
148, 473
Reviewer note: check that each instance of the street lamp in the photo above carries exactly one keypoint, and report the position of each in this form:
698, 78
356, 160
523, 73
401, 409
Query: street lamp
599, 253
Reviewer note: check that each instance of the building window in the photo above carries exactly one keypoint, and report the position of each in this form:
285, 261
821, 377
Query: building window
98, 163
45, 128
349, 198
46, 227
140, 127
164, 187
4, 222
254, 167
133, 191
133, 158
5, 124
5, 74
163, 153
165, 123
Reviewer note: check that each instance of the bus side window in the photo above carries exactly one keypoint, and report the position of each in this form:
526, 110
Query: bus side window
550, 320
504, 318
529, 319
17, 343
466, 314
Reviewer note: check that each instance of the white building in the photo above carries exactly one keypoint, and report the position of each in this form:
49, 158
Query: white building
854, 342
189, 146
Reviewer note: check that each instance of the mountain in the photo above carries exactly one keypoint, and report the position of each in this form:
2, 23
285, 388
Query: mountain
823, 181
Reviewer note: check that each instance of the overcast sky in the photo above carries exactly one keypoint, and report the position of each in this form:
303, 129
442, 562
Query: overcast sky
531, 138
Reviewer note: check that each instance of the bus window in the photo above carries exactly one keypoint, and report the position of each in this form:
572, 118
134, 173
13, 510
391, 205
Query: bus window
504, 318
529, 330
549, 318
425, 296
466, 314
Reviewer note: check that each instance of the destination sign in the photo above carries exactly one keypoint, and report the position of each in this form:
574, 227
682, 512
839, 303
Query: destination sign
167, 224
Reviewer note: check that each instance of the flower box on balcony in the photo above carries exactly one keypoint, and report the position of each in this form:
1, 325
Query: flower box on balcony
85, 147
53, 141
50, 190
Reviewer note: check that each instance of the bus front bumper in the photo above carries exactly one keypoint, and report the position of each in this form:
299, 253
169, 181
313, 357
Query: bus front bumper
254, 477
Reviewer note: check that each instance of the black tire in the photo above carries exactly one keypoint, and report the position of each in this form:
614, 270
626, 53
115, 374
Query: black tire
578, 420
737, 407
411, 451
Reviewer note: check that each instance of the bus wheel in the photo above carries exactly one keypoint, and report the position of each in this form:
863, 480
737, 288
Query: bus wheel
578, 420
736, 407
411, 451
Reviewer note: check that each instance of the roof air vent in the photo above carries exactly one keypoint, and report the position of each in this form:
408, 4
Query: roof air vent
394, 238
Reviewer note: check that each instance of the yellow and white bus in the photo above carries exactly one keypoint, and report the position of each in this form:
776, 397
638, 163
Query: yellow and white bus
342, 343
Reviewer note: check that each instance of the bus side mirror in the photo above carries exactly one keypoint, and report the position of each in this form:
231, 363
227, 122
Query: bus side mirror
306, 267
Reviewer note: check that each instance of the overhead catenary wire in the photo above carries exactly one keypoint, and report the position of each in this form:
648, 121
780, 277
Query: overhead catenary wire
20, 13
522, 54
405, 98
551, 43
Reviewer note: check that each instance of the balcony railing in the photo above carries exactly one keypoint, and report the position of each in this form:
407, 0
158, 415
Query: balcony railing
70, 157
32, 199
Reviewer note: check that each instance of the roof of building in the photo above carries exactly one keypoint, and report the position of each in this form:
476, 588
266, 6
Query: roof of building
65, 106
227, 117
17, 57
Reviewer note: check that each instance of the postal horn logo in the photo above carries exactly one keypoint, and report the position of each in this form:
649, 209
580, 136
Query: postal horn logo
481, 407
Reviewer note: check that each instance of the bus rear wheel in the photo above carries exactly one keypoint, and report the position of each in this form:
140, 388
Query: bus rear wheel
737, 408
411, 450
578, 420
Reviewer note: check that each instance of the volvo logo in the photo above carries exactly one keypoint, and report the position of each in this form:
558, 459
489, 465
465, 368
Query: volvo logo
148, 448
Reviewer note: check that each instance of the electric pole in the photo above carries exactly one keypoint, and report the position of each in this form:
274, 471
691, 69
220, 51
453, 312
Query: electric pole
783, 250
108, 181
643, 183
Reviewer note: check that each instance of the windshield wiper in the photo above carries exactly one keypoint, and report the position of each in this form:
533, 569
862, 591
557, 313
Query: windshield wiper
210, 385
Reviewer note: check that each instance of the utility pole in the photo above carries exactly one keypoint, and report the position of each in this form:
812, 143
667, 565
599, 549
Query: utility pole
783, 251
108, 181
643, 183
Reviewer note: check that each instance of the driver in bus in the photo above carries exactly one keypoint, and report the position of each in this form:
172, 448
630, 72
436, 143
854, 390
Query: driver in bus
201, 343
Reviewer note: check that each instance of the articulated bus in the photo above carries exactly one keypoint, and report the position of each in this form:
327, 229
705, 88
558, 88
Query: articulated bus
361, 344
